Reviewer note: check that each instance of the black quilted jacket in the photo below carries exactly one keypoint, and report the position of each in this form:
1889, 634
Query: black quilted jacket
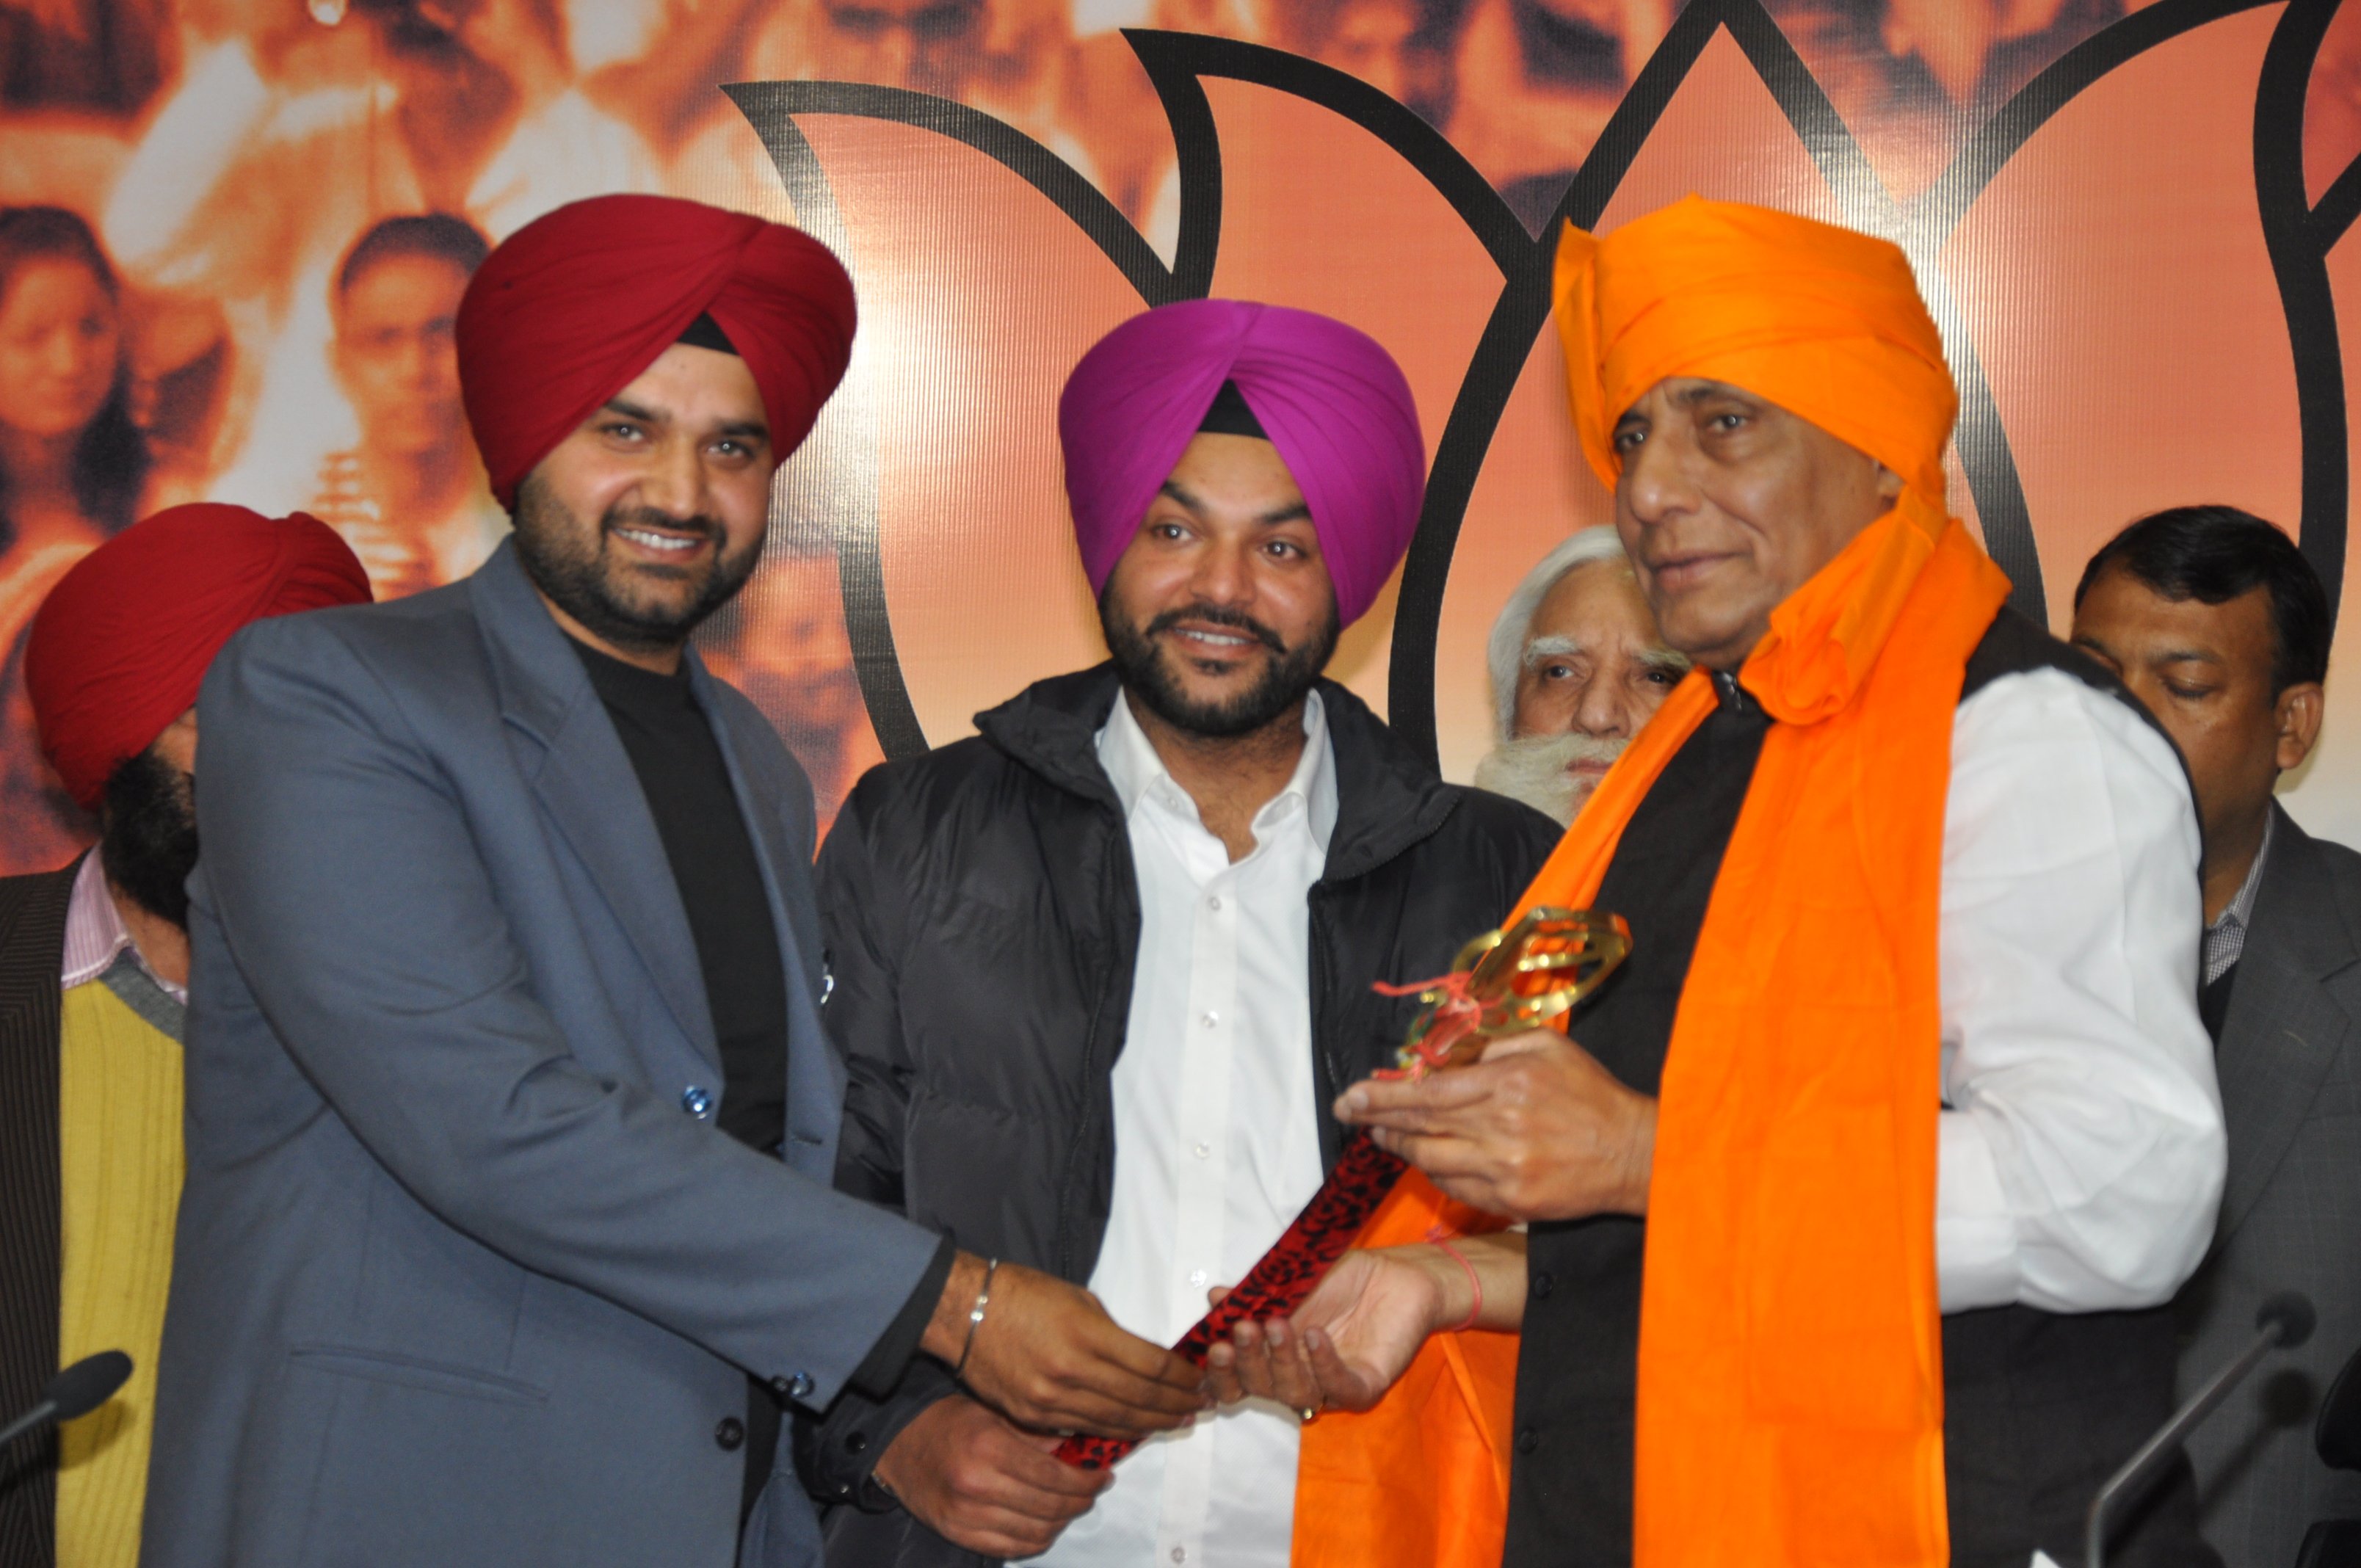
983, 919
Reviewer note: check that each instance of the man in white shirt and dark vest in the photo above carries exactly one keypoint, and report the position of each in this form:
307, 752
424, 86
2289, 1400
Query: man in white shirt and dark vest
1857, 1194
1100, 970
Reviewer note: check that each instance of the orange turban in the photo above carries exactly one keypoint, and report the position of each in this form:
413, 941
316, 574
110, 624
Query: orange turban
1826, 323
118, 649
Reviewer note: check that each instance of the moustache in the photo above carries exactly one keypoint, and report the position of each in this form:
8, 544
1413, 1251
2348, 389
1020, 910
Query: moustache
1562, 751
1537, 770
1214, 615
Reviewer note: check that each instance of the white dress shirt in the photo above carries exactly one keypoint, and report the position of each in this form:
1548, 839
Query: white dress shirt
1216, 1140
96, 935
2082, 1151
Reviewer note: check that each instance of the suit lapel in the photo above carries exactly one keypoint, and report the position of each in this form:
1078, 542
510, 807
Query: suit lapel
586, 784
2285, 1027
815, 1076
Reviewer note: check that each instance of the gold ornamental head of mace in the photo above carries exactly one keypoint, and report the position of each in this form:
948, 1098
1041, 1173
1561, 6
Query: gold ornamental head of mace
1507, 982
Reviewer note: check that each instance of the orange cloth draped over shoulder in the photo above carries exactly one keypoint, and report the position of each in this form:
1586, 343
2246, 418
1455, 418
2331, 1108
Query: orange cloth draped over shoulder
1421, 1481
1790, 1379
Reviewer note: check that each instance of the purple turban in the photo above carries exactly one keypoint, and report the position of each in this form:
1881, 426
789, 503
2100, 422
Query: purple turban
1333, 401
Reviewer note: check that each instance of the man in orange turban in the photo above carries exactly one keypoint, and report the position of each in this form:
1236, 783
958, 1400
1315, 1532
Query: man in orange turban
1901, 1098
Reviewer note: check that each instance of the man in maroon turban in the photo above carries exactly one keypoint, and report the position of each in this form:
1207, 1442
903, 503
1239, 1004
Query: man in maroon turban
1099, 968
93, 975
511, 972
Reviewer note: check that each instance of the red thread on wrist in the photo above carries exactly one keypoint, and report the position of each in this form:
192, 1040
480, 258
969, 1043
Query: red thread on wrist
1474, 1281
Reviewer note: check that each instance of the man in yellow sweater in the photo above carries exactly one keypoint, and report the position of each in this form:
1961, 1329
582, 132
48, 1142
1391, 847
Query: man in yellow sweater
93, 965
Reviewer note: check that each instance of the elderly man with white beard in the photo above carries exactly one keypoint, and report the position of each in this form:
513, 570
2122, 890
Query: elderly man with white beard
1577, 667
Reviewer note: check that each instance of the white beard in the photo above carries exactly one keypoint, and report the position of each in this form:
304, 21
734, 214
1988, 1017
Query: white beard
1533, 770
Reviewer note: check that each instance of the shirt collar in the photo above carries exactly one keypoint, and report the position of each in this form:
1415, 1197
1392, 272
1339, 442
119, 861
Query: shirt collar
1139, 774
2241, 912
96, 935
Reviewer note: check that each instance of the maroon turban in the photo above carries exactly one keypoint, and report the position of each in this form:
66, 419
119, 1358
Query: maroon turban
572, 307
120, 646
1331, 399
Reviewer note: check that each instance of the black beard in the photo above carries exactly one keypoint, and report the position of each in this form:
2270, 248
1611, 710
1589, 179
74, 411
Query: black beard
1285, 679
148, 843
575, 574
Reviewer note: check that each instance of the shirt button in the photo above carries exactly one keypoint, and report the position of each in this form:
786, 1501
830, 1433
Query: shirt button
729, 1433
1541, 1284
697, 1102
1528, 1440
1179, 1554
1209, 1019
1197, 1278
1214, 901
1202, 1150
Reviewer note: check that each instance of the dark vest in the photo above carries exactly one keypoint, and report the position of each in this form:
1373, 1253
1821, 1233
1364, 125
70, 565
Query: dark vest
32, 957
2039, 1406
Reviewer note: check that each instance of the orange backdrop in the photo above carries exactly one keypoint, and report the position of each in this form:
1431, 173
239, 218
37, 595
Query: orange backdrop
2133, 221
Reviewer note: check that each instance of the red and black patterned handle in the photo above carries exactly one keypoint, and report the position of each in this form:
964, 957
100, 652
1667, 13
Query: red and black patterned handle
1502, 983
1287, 1274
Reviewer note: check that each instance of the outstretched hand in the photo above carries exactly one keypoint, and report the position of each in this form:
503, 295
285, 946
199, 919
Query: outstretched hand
1344, 1346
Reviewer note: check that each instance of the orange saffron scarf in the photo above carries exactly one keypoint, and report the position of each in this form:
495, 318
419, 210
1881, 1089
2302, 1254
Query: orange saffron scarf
1791, 1379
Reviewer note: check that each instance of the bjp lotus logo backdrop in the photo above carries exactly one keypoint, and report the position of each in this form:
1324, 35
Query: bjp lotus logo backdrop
2133, 251
251, 219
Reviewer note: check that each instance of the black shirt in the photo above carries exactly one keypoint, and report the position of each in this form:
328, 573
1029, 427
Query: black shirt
712, 855
703, 828
686, 784
1570, 1479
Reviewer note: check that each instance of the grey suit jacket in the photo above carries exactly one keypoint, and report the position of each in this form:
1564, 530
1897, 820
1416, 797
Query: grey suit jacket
2290, 1073
458, 1278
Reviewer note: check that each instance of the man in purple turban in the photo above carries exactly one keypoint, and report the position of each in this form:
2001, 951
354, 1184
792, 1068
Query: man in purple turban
1100, 970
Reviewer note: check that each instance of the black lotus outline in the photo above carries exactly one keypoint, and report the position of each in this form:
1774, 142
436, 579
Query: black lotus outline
2298, 236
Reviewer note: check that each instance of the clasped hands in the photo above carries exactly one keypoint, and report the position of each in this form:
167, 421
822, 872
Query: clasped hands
981, 1471
1536, 1130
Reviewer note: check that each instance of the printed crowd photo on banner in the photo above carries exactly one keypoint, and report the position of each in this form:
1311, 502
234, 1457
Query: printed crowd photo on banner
235, 233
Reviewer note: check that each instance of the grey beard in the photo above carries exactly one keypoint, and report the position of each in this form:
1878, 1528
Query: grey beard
1533, 770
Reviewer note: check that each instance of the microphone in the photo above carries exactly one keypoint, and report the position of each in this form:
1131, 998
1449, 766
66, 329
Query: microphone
2282, 1322
78, 1390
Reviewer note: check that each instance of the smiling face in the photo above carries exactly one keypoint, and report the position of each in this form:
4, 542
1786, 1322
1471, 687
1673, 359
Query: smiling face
1727, 504
650, 515
1220, 613
2204, 671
